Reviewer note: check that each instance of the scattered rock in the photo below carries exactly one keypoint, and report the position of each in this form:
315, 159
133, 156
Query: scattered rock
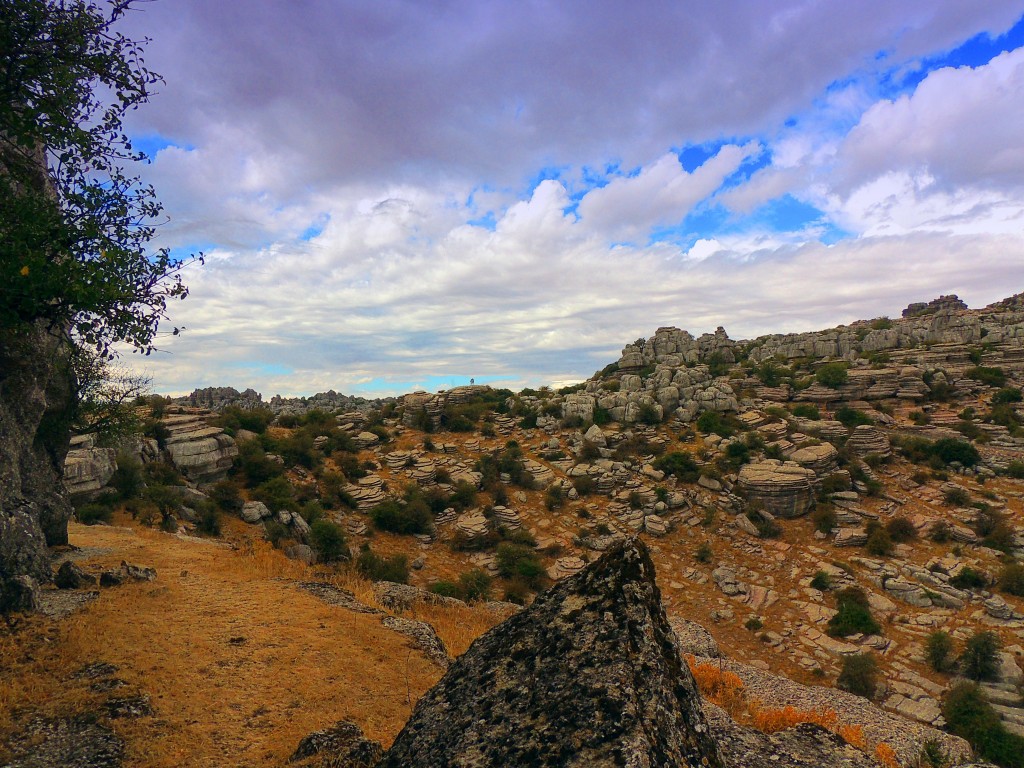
340, 746
70, 576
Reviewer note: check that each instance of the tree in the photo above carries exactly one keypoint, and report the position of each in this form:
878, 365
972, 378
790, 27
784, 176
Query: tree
74, 220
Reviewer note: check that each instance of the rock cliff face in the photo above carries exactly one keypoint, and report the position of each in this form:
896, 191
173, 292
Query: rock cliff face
588, 675
36, 390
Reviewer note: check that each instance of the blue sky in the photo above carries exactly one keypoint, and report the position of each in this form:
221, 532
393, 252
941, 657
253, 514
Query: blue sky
394, 195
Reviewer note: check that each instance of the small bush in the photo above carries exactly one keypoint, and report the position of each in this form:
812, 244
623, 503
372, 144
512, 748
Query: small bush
901, 529
518, 561
853, 614
208, 523
879, 541
1007, 395
822, 581
992, 377
956, 497
766, 526
1011, 579
971, 717
406, 519
444, 589
859, 675
938, 650
807, 411
1015, 469
554, 497
704, 553
968, 578
753, 624
980, 660
227, 497
712, 422
851, 417
949, 450
328, 540
475, 585
832, 375
377, 568
680, 465
92, 513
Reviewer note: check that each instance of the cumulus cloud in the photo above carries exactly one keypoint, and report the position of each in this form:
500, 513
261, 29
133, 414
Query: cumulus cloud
662, 193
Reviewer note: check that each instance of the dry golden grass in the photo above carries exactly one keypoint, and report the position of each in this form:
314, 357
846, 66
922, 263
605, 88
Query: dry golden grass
219, 700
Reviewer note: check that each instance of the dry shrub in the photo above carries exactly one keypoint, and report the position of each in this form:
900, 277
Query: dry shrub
722, 688
770, 720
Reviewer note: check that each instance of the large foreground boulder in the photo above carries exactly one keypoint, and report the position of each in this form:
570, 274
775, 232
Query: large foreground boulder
589, 675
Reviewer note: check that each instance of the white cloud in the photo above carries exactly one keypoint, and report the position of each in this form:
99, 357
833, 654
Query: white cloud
661, 194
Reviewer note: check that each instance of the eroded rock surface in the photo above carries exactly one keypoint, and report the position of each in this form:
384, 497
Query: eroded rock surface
555, 685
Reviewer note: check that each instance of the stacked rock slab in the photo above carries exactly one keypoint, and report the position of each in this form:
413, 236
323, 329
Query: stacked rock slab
867, 439
201, 452
817, 458
87, 468
785, 489
552, 685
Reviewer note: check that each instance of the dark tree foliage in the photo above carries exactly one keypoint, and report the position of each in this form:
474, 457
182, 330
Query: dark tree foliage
73, 248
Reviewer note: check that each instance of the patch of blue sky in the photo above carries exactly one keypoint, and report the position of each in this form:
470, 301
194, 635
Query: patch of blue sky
979, 50
783, 215
488, 221
546, 173
152, 143
316, 228
429, 383
184, 251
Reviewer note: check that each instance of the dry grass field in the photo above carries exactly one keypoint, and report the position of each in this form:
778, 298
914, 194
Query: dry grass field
239, 663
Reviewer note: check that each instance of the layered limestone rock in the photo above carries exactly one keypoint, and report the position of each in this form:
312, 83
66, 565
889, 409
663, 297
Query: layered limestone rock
785, 489
817, 458
552, 686
421, 409
867, 439
201, 452
87, 468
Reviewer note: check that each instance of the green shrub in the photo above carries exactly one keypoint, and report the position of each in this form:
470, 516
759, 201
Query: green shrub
680, 465
518, 561
1011, 579
832, 375
970, 716
992, 377
554, 497
737, 454
377, 568
162, 473
767, 528
938, 650
277, 493
602, 416
128, 479
475, 585
92, 513
1007, 395
208, 523
956, 497
851, 417
648, 414
901, 529
403, 518
879, 541
328, 540
712, 422
822, 581
807, 411
444, 589
584, 485
753, 624
252, 463
234, 418
980, 659
859, 675
969, 578
227, 497
853, 615
704, 553
949, 449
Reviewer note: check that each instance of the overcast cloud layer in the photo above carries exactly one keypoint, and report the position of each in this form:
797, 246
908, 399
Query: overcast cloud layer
399, 194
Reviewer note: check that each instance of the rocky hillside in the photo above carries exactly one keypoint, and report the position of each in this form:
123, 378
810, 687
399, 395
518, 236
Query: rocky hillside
838, 514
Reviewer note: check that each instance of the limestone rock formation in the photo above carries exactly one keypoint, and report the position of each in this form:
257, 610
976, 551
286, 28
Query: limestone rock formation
867, 439
785, 489
87, 468
35, 397
201, 452
552, 685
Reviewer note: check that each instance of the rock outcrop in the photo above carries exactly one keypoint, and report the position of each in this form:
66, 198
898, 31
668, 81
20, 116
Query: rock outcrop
201, 452
36, 392
785, 489
555, 684
87, 468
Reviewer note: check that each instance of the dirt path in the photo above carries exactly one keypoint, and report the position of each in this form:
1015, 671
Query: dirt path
238, 662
